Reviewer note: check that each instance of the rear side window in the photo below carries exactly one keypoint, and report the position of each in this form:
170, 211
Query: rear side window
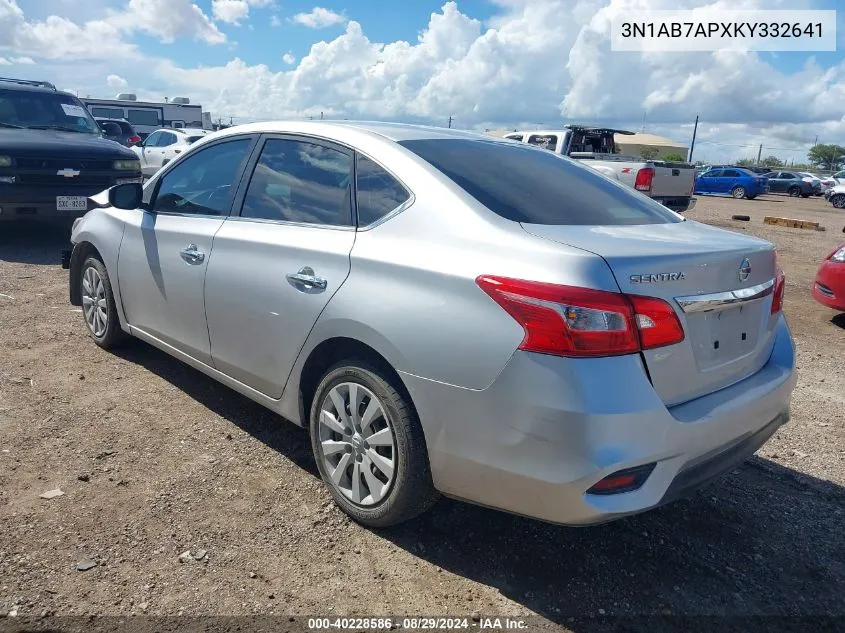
523, 184
193, 139
296, 181
731, 173
515, 137
715, 173
378, 193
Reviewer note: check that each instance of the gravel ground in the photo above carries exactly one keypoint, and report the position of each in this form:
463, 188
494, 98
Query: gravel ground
154, 460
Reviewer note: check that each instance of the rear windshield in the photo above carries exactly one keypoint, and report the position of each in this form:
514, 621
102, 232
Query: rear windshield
526, 184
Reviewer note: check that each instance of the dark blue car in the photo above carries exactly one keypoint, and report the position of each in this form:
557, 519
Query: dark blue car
731, 181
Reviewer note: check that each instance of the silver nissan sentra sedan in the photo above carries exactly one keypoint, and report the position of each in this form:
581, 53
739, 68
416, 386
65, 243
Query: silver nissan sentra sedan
449, 313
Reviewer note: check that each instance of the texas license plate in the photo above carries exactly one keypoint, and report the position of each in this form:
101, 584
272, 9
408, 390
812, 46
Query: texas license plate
71, 203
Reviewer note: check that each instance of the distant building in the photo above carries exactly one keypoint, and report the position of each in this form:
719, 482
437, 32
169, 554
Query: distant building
148, 116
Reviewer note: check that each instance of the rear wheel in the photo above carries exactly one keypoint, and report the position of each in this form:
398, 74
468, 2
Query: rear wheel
838, 200
794, 191
369, 446
738, 192
98, 305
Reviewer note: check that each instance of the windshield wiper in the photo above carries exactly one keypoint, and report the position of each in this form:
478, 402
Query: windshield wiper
61, 128
12, 125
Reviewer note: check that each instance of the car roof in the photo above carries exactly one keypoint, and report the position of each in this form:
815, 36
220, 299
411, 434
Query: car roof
191, 130
29, 86
342, 130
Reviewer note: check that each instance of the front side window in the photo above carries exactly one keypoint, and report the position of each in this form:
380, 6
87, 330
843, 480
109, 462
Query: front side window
203, 183
297, 181
522, 184
378, 193
167, 139
152, 139
714, 173
38, 110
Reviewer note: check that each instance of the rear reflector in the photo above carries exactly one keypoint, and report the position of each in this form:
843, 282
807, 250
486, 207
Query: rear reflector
622, 481
644, 178
577, 322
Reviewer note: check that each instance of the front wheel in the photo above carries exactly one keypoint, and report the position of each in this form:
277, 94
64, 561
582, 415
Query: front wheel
838, 201
98, 305
738, 192
369, 446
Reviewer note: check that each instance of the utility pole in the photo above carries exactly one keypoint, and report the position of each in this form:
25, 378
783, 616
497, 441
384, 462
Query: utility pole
451, 118
759, 151
692, 145
816, 142
644, 115
321, 115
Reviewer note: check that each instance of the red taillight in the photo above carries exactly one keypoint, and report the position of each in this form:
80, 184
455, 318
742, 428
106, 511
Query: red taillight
657, 322
571, 321
777, 296
133, 140
644, 179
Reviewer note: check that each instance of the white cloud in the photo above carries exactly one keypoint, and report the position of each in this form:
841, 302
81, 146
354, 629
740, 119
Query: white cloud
289, 58
116, 81
275, 21
59, 38
16, 61
166, 20
318, 18
233, 11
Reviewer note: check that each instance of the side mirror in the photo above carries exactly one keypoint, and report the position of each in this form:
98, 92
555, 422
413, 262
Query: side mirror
126, 196
111, 129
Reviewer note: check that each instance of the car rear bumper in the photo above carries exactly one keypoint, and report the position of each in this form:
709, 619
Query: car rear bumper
678, 204
548, 429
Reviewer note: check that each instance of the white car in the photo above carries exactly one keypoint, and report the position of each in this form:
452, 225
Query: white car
162, 146
839, 177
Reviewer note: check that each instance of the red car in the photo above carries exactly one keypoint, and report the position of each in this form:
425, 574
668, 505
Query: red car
829, 287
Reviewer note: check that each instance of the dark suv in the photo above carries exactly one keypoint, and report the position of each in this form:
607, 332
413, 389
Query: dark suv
53, 154
127, 137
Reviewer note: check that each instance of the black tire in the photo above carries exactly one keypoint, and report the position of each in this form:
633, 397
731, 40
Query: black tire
805, 195
738, 192
794, 191
411, 492
838, 200
111, 336
741, 218
751, 197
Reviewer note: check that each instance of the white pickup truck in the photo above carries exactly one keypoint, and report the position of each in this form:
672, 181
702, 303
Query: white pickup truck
670, 184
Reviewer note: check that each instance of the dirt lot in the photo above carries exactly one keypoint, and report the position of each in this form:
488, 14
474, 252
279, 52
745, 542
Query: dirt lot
155, 459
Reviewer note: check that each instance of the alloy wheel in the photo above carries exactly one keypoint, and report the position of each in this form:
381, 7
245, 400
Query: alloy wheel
357, 444
94, 304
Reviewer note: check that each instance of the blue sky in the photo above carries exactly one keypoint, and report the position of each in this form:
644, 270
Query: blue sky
488, 63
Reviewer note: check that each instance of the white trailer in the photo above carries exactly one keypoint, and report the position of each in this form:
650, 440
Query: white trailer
148, 116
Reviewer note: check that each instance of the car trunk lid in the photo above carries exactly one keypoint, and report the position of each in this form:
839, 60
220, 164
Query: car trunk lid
720, 284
